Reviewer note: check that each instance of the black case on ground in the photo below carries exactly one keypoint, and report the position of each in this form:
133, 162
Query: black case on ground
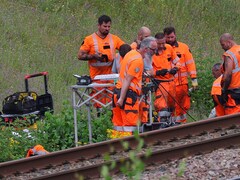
44, 101
37, 105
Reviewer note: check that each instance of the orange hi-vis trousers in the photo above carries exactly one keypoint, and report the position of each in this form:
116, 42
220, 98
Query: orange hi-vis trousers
127, 114
232, 105
164, 102
218, 106
183, 103
144, 110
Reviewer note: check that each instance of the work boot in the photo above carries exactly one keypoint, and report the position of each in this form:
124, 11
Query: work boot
164, 122
175, 124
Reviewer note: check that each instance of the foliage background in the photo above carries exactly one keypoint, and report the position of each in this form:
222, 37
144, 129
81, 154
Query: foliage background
45, 35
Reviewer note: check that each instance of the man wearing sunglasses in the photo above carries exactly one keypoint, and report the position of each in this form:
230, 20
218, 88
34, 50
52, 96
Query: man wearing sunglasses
166, 65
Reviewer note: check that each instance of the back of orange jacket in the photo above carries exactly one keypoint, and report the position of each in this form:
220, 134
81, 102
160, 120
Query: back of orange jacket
135, 69
234, 54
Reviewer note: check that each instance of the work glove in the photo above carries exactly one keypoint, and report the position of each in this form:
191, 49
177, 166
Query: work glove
162, 72
101, 57
173, 71
104, 58
97, 56
194, 84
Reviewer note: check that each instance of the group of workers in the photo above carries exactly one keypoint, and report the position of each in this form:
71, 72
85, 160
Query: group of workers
163, 60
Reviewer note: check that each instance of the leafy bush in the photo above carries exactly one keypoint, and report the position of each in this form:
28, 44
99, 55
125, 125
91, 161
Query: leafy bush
201, 100
99, 127
13, 143
55, 132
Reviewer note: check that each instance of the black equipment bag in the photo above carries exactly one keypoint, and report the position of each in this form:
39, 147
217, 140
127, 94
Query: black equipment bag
20, 103
44, 101
84, 80
28, 101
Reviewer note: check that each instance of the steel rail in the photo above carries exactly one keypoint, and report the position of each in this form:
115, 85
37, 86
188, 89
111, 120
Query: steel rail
160, 156
93, 150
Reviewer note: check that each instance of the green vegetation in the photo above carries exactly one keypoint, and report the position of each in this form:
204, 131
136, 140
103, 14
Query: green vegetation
46, 35
55, 133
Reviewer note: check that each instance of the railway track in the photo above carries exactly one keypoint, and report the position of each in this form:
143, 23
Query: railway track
221, 126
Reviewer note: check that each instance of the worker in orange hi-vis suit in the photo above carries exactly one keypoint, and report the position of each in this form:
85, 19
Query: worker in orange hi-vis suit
217, 90
36, 150
143, 33
188, 68
231, 74
99, 50
128, 88
165, 65
123, 50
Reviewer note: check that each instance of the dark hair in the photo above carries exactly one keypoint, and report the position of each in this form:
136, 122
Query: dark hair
159, 35
169, 30
217, 66
124, 49
104, 18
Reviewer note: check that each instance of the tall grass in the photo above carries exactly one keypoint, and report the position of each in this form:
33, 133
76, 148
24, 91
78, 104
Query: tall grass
45, 35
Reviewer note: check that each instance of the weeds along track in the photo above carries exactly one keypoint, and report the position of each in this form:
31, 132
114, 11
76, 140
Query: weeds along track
166, 145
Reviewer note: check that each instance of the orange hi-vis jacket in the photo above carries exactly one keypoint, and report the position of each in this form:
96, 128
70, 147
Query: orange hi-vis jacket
216, 87
36, 150
216, 93
188, 66
234, 54
94, 44
132, 64
166, 60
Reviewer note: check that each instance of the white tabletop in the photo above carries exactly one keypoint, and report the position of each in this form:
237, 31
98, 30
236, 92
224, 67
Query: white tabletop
94, 85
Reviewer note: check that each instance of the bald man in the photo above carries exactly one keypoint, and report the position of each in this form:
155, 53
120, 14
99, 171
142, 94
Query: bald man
142, 33
230, 83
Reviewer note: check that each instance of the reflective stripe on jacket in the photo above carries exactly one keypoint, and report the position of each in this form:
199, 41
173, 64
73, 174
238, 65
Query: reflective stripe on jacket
125, 128
107, 46
96, 48
234, 54
216, 87
188, 67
